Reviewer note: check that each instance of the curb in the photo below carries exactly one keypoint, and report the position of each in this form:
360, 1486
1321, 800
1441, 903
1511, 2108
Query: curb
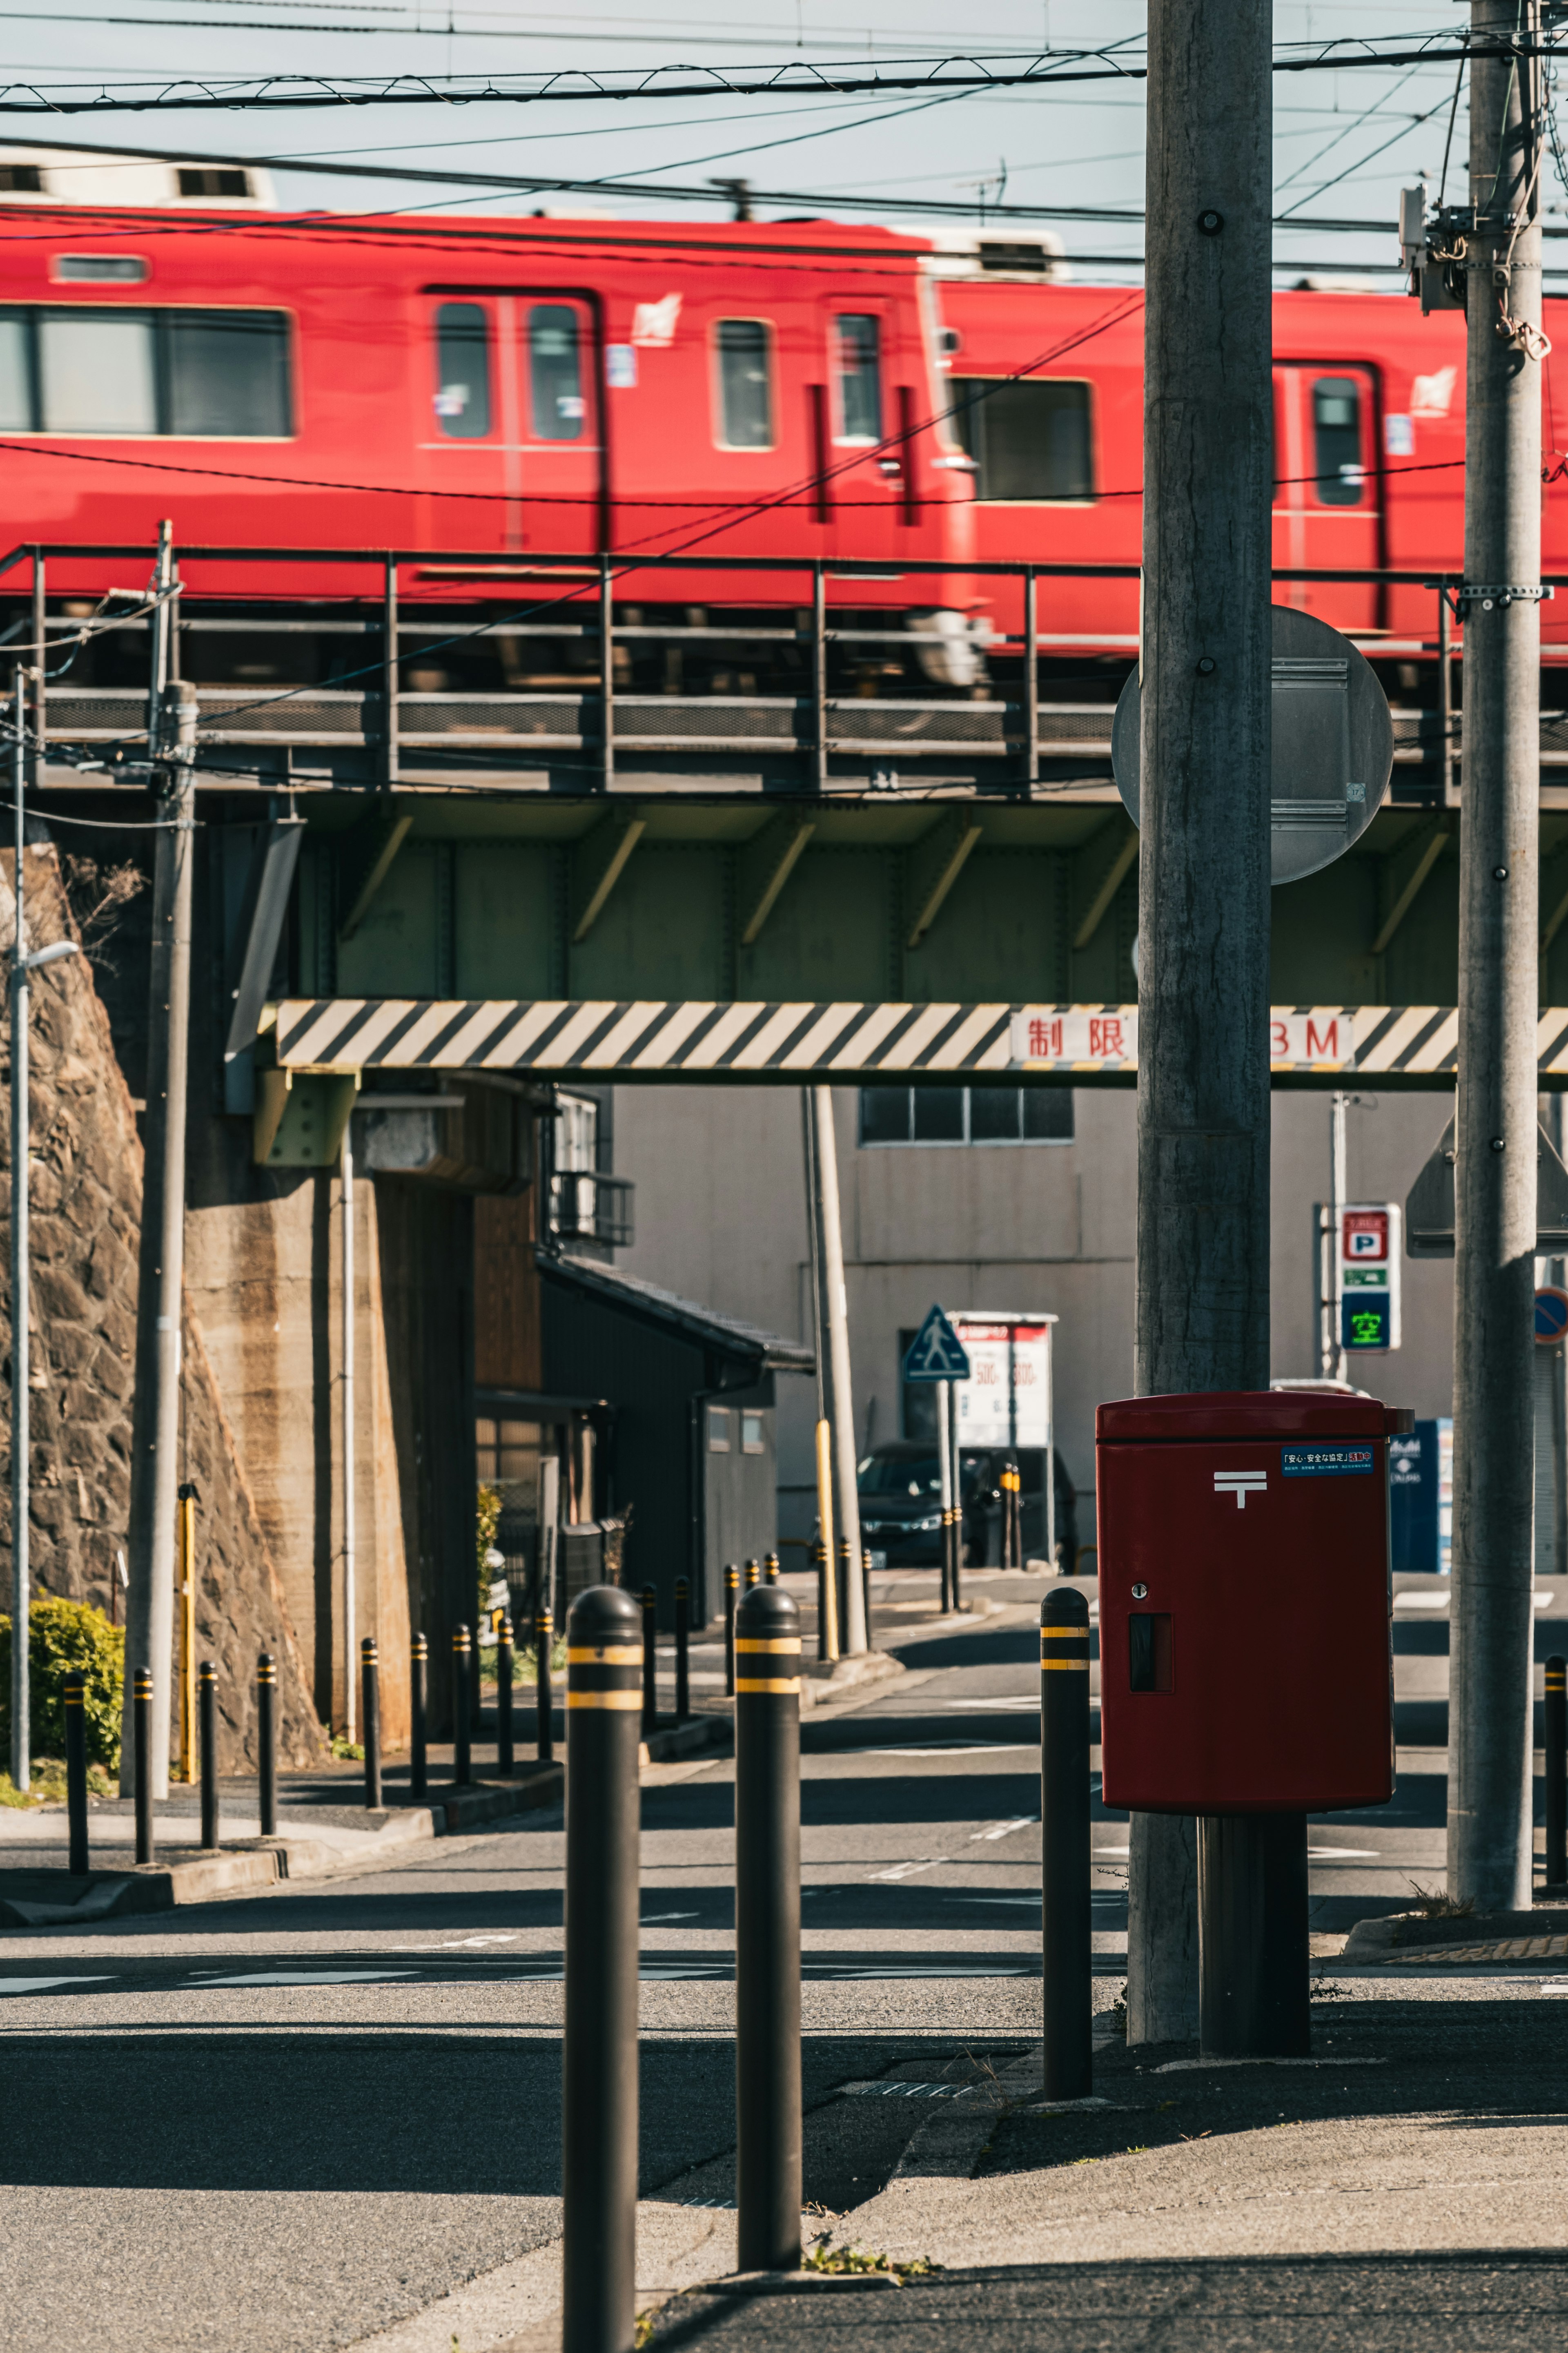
260, 1865
695, 1737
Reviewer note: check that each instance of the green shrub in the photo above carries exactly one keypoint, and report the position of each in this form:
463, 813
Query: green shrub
62, 1635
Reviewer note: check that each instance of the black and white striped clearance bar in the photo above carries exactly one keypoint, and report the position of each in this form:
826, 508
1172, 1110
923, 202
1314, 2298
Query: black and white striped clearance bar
855, 1043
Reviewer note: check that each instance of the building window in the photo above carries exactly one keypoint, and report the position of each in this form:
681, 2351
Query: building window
576, 1134
462, 397
966, 1116
745, 384
751, 1440
214, 375
1030, 440
718, 1430
506, 1450
556, 373
212, 180
859, 377
1336, 441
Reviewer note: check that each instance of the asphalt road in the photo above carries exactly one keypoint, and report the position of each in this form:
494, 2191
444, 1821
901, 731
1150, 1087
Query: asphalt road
275, 2124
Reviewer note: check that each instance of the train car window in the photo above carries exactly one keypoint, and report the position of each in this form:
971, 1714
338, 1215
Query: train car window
745, 384
17, 407
1340, 477
1029, 441
98, 371
227, 373
462, 399
859, 376
556, 373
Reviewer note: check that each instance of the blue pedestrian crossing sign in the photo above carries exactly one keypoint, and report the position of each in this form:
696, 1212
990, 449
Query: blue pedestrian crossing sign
936, 1352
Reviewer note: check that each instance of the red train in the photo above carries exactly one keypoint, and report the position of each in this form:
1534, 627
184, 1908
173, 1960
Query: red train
488, 392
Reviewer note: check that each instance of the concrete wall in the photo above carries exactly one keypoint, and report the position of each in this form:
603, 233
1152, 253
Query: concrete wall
720, 1217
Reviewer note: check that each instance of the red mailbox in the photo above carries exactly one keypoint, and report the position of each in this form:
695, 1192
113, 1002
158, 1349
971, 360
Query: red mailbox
1245, 1602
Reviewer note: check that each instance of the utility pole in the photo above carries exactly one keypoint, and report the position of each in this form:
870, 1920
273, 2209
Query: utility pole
155, 1413
22, 965
1204, 855
1489, 1778
834, 1319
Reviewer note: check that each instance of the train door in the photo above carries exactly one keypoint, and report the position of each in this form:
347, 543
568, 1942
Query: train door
561, 443
469, 469
866, 489
1327, 509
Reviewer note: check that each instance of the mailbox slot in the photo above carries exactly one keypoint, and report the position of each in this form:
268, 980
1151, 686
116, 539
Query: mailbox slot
1149, 1650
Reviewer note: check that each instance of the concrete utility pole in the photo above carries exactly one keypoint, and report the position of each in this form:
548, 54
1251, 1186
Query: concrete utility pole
840, 1402
155, 1415
1489, 1779
1204, 859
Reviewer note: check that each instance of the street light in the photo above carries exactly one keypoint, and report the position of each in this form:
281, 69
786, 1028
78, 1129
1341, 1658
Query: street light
22, 964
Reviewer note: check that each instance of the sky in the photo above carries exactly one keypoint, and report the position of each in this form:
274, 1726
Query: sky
1344, 142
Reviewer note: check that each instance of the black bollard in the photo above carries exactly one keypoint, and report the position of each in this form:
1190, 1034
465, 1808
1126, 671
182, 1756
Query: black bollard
956, 1594
141, 1759
948, 1518
370, 1707
543, 1642
418, 1712
825, 1617
462, 1726
76, 1769
754, 1574
207, 1728
267, 1743
732, 1598
682, 1649
767, 1932
599, 2137
1066, 1911
649, 1661
865, 1593
504, 1755
1556, 1770
770, 1569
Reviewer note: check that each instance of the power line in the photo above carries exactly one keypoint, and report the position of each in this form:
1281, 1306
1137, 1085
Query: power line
1045, 69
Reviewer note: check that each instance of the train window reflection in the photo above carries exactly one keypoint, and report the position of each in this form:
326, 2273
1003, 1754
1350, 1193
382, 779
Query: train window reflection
98, 371
859, 376
462, 399
1029, 441
556, 373
15, 376
745, 384
229, 373
1340, 477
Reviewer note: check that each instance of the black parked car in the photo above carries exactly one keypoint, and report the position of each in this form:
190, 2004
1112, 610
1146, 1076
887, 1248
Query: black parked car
900, 1505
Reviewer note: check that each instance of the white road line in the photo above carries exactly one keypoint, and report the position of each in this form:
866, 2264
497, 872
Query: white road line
907, 1870
209, 1980
1004, 1829
42, 1985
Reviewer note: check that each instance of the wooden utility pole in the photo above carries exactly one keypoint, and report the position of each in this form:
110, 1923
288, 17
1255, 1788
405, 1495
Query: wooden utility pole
1203, 858
1490, 1783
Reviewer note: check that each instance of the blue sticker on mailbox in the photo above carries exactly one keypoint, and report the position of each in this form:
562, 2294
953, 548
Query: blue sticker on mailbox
1325, 1461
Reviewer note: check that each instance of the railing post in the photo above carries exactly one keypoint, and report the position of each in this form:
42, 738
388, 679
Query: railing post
819, 671
141, 1755
1556, 1761
1067, 1917
369, 1705
462, 1723
206, 1716
606, 674
599, 2137
76, 1771
418, 1689
390, 671
731, 1595
1031, 679
767, 1932
649, 1662
267, 1743
504, 1750
544, 1703
682, 1649
40, 680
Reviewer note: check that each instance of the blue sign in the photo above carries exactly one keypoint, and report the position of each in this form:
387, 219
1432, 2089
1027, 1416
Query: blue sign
1366, 1319
1414, 1495
1550, 1316
936, 1351
1326, 1461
